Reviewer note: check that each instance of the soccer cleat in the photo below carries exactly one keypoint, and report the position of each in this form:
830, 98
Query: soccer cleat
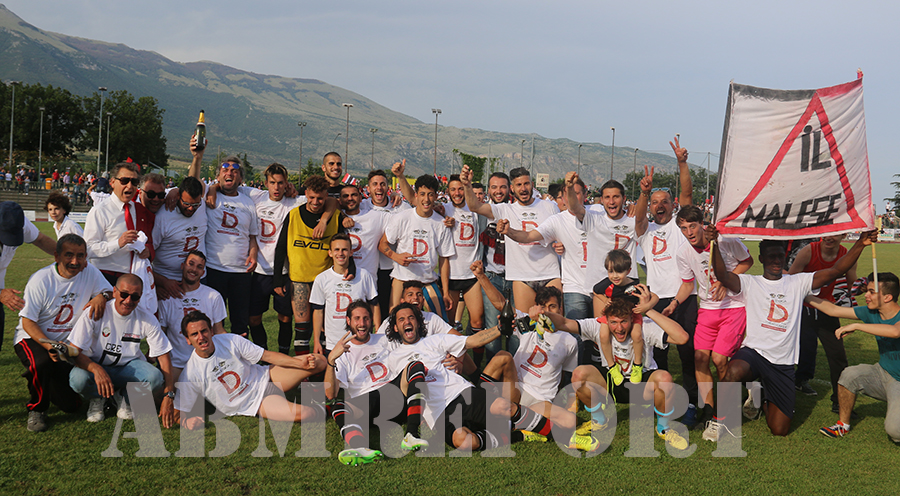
37, 421
584, 443
95, 410
615, 373
533, 437
591, 426
836, 430
636, 373
359, 456
806, 389
712, 431
674, 439
749, 410
690, 417
124, 408
412, 443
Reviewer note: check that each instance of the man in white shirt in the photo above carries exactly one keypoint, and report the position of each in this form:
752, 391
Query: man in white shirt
195, 296
180, 228
55, 297
112, 226
232, 228
774, 304
110, 354
466, 230
331, 295
531, 265
223, 369
15, 230
424, 245
660, 240
368, 226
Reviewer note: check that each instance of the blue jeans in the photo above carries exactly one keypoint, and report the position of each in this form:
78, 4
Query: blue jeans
491, 314
577, 306
82, 381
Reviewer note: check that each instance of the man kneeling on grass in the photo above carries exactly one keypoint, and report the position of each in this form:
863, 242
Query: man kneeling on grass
223, 369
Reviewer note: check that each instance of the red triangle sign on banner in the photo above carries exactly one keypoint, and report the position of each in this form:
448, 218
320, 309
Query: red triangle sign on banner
816, 109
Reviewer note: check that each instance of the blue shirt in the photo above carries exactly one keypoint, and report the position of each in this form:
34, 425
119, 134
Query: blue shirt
888, 348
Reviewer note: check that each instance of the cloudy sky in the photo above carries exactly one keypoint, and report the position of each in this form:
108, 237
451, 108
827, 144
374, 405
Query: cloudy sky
559, 69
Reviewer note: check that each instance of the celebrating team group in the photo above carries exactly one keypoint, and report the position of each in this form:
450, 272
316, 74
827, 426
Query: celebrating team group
374, 292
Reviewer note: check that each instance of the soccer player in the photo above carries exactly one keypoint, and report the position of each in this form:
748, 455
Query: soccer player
306, 250
232, 250
55, 297
110, 354
530, 265
423, 359
331, 295
660, 241
721, 318
606, 230
368, 226
881, 381
812, 257
413, 293
774, 301
223, 369
333, 168
466, 230
424, 244
195, 296
589, 380
180, 228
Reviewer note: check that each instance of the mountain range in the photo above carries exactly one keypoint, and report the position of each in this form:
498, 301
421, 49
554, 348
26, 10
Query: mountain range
258, 114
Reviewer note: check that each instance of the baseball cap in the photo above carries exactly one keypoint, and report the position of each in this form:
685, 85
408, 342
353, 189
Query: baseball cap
12, 224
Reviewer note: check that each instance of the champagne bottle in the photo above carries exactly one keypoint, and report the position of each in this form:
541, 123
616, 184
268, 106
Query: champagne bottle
506, 317
200, 133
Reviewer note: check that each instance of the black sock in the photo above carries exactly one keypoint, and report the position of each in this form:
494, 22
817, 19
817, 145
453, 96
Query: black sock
351, 433
284, 337
258, 336
528, 420
302, 336
415, 376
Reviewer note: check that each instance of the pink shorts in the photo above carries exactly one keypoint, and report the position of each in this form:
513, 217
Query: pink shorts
721, 331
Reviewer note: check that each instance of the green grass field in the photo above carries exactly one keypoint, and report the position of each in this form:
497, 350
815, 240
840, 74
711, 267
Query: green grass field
67, 459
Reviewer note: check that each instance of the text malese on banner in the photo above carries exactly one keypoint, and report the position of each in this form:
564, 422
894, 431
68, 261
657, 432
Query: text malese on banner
794, 163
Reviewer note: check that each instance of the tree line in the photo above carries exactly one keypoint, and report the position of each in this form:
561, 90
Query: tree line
71, 125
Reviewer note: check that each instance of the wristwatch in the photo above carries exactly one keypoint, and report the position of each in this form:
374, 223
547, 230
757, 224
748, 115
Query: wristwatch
107, 294
171, 395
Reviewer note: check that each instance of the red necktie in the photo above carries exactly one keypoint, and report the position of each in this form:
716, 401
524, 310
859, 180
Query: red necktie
129, 222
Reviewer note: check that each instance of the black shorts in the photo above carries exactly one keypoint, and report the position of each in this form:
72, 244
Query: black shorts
473, 412
263, 286
462, 285
620, 394
374, 399
536, 285
777, 380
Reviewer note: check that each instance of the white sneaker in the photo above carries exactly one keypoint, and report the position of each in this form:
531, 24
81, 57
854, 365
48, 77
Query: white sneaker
712, 431
412, 443
749, 410
95, 410
124, 412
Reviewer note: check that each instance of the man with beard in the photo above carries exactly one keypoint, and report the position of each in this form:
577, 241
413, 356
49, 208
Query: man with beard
530, 265
660, 241
180, 228
152, 192
55, 297
115, 224
333, 167
423, 361
232, 228
195, 296
368, 226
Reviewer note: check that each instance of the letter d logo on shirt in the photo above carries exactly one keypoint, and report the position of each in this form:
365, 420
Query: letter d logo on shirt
229, 220
420, 247
230, 380
777, 313
377, 371
538, 354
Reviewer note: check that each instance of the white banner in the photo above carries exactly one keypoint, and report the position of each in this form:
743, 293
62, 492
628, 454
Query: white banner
794, 163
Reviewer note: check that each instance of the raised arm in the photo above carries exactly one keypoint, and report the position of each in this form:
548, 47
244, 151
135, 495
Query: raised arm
505, 229
641, 222
493, 294
408, 193
465, 177
576, 208
728, 279
684, 174
801, 260
845, 263
196, 158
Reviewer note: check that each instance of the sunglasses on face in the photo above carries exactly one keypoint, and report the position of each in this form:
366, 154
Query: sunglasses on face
654, 190
229, 165
133, 296
151, 195
128, 180
191, 205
